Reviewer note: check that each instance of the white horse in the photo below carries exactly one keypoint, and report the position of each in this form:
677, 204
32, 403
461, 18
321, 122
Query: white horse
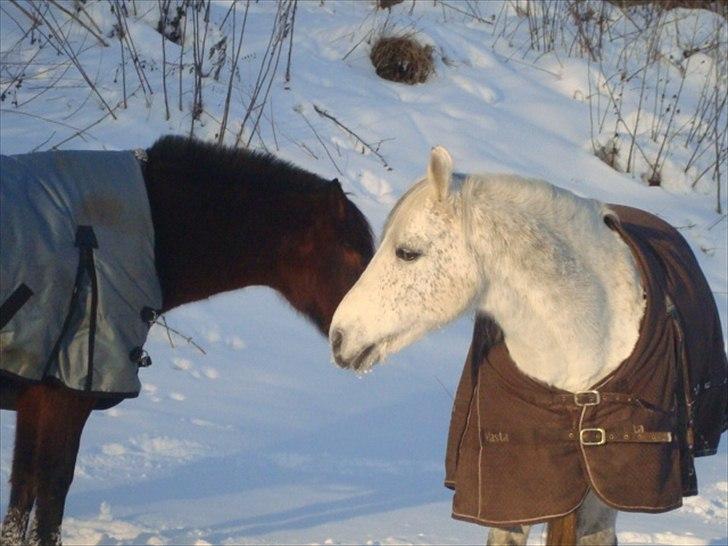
563, 286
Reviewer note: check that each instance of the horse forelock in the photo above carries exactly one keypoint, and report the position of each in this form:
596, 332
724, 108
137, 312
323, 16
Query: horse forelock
413, 197
410, 200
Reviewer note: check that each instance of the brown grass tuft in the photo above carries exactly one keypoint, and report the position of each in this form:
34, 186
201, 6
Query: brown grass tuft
387, 4
718, 6
609, 154
402, 59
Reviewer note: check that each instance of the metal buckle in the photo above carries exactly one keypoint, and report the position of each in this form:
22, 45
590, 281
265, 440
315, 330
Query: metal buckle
600, 442
592, 398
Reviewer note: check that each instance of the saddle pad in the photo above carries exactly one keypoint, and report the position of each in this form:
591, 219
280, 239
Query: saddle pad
76, 269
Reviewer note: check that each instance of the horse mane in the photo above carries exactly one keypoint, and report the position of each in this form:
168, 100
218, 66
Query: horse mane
404, 203
206, 163
235, 165
531, 194
231, 190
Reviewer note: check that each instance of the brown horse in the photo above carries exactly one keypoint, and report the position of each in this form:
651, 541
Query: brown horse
223, 219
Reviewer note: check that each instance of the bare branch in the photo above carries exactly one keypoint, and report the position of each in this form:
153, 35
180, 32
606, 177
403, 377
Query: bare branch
324, 113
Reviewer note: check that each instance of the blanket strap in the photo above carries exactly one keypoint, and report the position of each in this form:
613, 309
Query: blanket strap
585, 436
85, 242
14, 303
685, 404
683, 373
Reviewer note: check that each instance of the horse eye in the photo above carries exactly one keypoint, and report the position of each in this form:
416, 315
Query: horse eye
406, 254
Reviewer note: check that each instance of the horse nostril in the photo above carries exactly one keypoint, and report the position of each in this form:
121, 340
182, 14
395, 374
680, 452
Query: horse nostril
337, 338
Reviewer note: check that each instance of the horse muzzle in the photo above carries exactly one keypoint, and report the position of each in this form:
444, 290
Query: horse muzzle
357, 361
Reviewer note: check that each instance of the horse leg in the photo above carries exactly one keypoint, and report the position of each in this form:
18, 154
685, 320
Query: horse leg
62, 417
510, 536
596, 523
22, 477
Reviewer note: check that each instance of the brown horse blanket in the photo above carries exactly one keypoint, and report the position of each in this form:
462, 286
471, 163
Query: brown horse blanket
522, 452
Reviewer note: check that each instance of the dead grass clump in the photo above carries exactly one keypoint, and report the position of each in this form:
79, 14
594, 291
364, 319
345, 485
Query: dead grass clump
402, 59
609, 154
718, 6
387, 4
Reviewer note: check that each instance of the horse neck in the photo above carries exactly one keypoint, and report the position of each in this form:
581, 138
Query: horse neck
563, 286
210, 239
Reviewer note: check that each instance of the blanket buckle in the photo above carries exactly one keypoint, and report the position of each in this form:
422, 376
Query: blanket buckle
599, 440
587, 398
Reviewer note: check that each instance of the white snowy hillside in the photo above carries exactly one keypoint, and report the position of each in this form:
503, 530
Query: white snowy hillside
262, 440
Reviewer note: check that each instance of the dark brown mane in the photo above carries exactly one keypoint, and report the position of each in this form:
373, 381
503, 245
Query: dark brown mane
226, 165
243, 213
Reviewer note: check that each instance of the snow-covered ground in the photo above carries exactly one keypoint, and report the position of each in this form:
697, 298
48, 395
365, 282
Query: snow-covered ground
262, 440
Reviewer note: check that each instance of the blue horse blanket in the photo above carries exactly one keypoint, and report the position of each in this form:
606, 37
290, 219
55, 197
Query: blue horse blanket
78, 284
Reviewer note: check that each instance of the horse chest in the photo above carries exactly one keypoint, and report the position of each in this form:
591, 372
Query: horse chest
78, 242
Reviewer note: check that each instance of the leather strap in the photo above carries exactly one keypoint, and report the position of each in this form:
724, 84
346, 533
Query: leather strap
587, 436
14, 303
570, 400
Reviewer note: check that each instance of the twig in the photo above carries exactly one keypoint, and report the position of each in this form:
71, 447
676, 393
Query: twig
132, 48
36, 22
272, 50
324, 113
166, 328
36, 148
323, 145
273, 126
188, 339
444, 388
233, 68
69, 52
363, 38
163, 21
78, 20
42, 118
120, 32
717, 221
80, 7
80, 132
474, 16
290, 43
183, 36
261, 110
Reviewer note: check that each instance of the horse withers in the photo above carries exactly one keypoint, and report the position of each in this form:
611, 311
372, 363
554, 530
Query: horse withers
597, 369
219, 219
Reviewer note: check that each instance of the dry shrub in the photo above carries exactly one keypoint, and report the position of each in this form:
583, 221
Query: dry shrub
718, 6
402, 59
387, 4
609, 154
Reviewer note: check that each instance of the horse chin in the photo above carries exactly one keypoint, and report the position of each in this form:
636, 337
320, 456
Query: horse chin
365, 360
373, 353
378, 352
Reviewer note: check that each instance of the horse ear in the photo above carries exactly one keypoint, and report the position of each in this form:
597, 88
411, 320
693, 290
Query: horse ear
337, 199
439, 170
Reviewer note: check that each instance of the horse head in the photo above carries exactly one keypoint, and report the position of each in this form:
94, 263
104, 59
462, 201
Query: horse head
422, 276
324, 260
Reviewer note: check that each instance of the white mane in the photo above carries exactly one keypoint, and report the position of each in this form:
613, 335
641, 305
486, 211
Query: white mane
563, 286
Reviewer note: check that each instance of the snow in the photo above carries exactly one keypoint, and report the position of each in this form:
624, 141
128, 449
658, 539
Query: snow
261, 440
